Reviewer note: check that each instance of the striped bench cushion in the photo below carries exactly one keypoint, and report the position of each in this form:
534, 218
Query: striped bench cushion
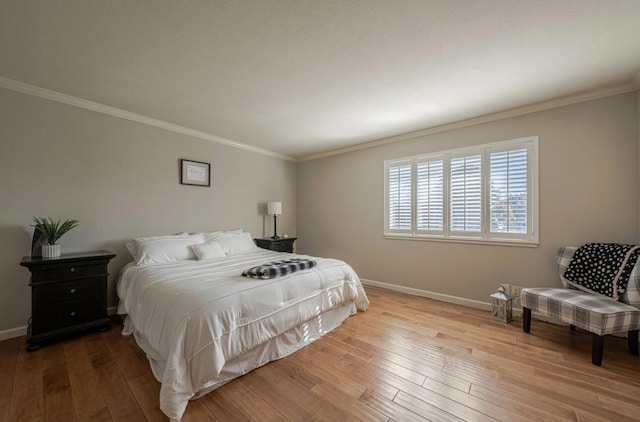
598, 314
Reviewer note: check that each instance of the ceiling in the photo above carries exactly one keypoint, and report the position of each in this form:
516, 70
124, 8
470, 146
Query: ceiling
305, 77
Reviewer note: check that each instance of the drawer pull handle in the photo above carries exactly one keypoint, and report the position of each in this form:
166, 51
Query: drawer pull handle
72, 314
73, 269
72, 291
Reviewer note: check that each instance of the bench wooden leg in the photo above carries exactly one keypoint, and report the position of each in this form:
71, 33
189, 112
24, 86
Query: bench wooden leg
597, 347
633, 342
526, 320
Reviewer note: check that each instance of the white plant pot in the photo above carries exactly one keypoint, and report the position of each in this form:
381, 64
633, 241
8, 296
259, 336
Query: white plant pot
51, 251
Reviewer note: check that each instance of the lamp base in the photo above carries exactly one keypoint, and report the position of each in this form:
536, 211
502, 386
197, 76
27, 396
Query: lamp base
275, 228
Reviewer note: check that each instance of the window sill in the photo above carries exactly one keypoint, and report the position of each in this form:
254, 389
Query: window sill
497, 242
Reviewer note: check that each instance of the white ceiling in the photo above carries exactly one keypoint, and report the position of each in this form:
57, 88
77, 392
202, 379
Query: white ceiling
304, 77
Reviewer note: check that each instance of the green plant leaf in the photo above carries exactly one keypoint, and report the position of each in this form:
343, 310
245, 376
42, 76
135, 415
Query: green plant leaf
53, 230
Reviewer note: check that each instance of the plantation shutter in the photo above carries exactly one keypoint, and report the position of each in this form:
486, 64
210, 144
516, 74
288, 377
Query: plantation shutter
508, 200
485, 193
400, 197
465, 194
430, 195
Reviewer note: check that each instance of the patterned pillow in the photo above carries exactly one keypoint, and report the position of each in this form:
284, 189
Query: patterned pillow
602, 268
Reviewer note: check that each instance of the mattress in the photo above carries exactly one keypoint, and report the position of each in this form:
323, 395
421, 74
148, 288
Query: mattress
202, 324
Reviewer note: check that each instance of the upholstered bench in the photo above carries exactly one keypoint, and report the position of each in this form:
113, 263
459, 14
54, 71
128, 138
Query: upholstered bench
598, 314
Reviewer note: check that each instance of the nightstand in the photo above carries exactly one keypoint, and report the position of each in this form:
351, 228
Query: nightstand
68, 295
282, 244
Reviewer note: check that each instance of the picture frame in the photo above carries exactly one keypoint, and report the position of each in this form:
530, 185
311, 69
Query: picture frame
37, 241
195, 173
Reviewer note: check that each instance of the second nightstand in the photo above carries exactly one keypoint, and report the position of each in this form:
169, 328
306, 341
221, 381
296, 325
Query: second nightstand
282, 244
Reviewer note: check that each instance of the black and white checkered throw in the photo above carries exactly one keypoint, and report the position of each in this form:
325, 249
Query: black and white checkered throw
602, 268
279, 268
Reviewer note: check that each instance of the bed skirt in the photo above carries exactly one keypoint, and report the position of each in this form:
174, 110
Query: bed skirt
276, 348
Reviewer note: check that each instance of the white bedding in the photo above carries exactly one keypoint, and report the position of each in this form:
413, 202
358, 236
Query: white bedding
202, 324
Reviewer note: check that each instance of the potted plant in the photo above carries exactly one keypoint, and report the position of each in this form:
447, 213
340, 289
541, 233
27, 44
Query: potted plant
52, 231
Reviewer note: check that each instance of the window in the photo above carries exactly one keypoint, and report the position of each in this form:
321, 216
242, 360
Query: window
486, 193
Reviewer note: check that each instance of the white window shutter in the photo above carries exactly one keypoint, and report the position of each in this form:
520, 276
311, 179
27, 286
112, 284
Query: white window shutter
508, 201
485, 193
465, 194
430, 195
400, 197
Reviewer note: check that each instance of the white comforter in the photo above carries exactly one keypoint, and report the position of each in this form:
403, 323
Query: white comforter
195, 316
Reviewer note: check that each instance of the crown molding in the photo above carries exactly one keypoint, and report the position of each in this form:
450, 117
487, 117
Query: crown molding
59, 97
533, 108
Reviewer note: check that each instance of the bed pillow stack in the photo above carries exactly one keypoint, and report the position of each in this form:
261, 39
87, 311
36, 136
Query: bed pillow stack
185, 246
159, 249
236, 243
211, 236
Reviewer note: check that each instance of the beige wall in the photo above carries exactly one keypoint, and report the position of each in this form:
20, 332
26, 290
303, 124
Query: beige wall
120, 180
588, 192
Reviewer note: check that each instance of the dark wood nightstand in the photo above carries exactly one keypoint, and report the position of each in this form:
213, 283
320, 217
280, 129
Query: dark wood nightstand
282, 244
68, 294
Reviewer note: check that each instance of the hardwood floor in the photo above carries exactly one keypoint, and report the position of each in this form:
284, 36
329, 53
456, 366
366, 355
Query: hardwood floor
406, 359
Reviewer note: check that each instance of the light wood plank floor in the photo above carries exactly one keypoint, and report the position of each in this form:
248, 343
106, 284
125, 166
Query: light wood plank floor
406, 359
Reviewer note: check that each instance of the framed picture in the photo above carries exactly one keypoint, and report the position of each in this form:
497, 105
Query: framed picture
195, 173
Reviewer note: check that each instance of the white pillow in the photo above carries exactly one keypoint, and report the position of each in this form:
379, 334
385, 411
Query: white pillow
209, 236
132, 244
208, 251
157, 249
236, 243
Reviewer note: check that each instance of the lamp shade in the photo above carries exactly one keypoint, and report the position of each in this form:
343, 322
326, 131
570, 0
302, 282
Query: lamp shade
274, 208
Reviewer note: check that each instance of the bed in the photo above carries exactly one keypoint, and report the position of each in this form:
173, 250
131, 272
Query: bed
202, 324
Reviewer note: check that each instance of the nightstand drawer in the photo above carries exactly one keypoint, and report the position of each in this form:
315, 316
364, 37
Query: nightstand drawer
282, 247
282, 244
69, 291
51, 317
68, 273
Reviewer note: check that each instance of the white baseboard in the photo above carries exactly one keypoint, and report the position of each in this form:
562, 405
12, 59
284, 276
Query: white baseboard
13, 332
471, 303
22, 331
431, 295
486, 306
